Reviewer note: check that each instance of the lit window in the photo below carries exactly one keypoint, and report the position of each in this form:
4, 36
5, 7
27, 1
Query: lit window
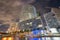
40, 25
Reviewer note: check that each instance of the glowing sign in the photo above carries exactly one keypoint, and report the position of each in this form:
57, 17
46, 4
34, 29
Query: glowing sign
35, 32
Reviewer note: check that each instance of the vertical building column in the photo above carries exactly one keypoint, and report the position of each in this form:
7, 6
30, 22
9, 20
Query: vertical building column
42, 12
43, 19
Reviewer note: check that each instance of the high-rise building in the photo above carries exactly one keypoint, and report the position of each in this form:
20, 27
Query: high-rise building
57, 13
51, 20
28, 12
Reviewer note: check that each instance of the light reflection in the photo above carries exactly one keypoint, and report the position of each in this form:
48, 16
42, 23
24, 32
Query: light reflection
7, 38
10, 38
4, 38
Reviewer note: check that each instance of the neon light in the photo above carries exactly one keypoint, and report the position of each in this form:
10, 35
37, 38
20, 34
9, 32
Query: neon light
35, 33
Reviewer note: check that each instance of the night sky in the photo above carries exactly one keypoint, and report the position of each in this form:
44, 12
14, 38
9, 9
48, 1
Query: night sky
49, 3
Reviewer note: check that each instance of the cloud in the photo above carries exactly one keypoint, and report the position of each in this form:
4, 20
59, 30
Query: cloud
10, 9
